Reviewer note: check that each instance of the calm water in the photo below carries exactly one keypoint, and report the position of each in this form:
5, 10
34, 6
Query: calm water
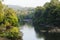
29, 33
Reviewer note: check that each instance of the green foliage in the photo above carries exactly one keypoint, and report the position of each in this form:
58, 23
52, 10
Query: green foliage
38, 16
49, 15
24, 14
11, 33
1, 12
10, 16
8, 22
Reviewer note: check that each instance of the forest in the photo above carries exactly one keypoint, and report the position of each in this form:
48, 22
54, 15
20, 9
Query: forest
9, 28
45, 19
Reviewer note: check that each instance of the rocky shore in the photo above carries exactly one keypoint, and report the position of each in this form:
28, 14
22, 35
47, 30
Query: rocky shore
53, 30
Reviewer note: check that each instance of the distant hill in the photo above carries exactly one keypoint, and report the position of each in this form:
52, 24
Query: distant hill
23, 12
20, 8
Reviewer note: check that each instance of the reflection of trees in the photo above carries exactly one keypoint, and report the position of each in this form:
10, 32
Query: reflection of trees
48, 36
52, 36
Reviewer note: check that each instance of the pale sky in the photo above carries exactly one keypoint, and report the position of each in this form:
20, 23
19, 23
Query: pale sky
26, 3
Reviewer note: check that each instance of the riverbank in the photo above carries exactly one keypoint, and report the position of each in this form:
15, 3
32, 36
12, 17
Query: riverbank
3, 38
53, 30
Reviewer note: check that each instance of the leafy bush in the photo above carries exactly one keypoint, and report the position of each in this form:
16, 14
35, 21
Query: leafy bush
8, 22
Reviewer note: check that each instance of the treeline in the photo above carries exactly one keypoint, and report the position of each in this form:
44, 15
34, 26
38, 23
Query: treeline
9, 23
47, 15
24, 14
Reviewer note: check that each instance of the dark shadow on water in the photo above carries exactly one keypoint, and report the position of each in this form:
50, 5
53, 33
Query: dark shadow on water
52, 36
48, 36
44, 35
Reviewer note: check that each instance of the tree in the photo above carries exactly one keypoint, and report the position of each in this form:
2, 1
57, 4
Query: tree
10, 16
47, 15
52, 11
8, 23
1, 12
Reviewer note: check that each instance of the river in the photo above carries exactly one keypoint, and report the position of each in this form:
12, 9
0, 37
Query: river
29, 33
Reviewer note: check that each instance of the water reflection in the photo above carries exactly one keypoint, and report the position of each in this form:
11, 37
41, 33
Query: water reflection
48, 36
52, 36
30, 33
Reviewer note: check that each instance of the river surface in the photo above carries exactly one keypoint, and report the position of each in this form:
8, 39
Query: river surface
29, 33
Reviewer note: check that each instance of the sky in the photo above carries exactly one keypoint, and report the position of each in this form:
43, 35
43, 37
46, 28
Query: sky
26, 3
